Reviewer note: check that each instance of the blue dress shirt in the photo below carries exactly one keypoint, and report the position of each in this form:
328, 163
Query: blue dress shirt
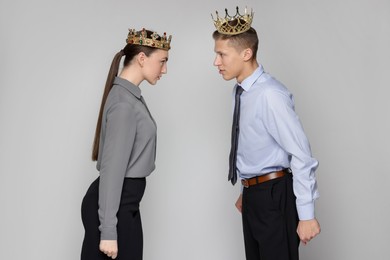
272, 138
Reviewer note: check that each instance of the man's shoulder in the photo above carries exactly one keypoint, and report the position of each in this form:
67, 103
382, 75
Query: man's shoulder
267, 83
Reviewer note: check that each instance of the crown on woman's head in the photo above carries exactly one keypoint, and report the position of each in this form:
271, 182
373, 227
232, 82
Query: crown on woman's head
232, 25
154, 40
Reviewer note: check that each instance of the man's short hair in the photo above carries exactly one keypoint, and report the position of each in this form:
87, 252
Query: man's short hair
241, 41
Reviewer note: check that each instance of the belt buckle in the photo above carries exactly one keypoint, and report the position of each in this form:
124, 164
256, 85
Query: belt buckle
245, 183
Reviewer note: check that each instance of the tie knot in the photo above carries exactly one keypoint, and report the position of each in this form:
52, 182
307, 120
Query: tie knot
239, 90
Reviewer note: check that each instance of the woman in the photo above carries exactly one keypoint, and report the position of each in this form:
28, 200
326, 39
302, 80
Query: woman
124, 148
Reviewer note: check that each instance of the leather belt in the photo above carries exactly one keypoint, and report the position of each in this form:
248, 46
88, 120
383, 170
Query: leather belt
263, 178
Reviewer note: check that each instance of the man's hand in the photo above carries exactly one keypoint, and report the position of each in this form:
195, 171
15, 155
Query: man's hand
239, 203
109, 247
308, 229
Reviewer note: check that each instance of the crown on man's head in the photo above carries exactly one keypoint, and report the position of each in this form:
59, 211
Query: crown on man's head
154, 40
232, 25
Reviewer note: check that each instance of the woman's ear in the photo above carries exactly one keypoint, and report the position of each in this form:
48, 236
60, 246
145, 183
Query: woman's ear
247, 54
141, 59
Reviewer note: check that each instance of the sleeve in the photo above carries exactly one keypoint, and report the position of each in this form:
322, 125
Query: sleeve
285, 127
119, 139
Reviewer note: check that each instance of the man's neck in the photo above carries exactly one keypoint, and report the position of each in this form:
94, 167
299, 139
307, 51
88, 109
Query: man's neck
247, 71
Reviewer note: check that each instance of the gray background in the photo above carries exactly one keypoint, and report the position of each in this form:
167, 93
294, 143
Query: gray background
54, 57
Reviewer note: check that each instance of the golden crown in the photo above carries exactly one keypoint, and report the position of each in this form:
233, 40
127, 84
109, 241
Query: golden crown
154, 40
232, 25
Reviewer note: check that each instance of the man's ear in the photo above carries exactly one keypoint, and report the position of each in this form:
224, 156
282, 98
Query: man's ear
247, 54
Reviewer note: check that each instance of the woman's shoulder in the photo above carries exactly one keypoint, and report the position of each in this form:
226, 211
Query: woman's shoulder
119, 95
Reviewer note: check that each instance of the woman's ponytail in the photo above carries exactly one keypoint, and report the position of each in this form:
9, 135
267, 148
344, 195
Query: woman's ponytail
110, 80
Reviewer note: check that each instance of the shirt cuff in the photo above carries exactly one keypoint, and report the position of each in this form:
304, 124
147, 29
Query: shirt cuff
108, 233
306, 212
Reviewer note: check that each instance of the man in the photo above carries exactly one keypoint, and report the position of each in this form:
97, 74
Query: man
270, 152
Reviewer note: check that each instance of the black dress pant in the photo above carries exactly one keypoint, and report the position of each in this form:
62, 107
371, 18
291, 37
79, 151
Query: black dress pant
129, 226
270, 220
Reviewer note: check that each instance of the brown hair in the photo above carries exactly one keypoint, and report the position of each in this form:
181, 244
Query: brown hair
241, 41
130, 51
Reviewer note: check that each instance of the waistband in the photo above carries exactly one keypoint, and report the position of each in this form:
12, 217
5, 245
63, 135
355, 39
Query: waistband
263, 178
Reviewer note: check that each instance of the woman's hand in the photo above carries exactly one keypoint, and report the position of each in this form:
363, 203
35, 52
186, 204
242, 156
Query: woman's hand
109, 247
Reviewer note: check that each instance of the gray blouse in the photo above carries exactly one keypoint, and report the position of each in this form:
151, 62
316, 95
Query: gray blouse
127, 149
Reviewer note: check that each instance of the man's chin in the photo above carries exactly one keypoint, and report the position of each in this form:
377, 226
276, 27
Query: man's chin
227, 77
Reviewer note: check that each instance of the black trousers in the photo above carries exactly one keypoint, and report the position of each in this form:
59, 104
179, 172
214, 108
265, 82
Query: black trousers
129, 226
270, 220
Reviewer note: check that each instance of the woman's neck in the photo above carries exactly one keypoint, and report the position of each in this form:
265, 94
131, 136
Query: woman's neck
132, 74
